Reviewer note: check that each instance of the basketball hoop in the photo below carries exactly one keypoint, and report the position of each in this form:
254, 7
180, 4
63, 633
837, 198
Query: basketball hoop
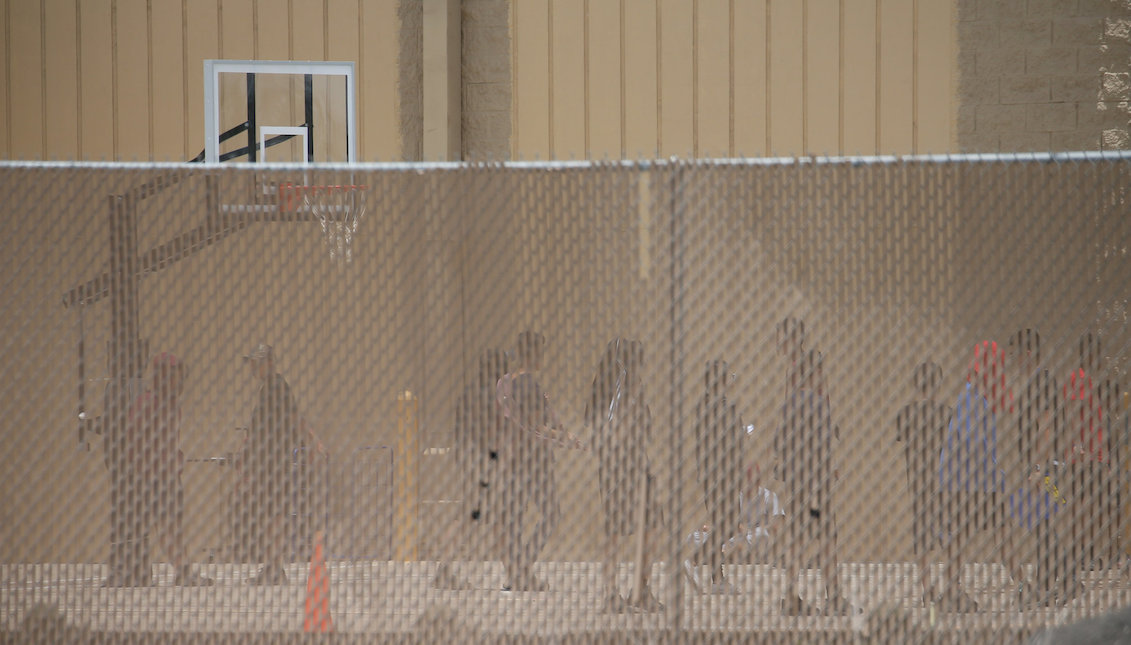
339, 210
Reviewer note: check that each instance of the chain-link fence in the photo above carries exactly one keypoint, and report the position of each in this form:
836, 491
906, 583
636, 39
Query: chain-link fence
870, 400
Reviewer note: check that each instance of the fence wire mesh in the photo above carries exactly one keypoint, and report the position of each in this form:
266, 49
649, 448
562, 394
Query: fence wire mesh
833, 401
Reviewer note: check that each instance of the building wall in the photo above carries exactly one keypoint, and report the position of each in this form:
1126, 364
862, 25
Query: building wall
122, 79
723, 78
1042, 75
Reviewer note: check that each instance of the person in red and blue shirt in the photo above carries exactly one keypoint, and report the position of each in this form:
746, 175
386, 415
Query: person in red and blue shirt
153, 431
970, 478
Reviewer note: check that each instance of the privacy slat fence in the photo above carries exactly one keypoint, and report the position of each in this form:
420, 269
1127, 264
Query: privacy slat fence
516, 366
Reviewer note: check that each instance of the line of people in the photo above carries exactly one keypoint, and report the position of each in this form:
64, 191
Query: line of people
506, 429
1056, 497
1042, 465
146, 464
1054, 482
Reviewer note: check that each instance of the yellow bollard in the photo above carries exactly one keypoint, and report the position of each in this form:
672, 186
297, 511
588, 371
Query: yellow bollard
406, 482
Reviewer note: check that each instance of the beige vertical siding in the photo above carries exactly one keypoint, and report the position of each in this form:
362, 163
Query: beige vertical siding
858, 95
712, 78
786, 93
61, 96
5, 104
133, 98
25, 64
530, 41
935, 76
377, 102
821, 80
122, 79
896, 99
677, 78
167, 80
605, 80
640, 111
568, 72
750, 59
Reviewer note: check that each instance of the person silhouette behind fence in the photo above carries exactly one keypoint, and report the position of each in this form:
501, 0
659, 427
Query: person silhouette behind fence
1111, 397
921, 427
759, 537
535, 428
154, 436
267, 461
618, 412
128, 564
720, 461
480, 451
971, 478
791, 343
1035, 497
1090, 409
805, 446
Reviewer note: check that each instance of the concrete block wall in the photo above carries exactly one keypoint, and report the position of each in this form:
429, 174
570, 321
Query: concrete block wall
1041, 75
486, 80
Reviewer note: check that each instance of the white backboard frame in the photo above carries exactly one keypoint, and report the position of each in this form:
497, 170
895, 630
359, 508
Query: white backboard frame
267, 131
214, 67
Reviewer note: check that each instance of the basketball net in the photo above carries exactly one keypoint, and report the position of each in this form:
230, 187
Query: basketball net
339, 210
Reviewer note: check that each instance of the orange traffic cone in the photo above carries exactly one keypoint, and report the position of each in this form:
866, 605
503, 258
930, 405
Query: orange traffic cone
318, 592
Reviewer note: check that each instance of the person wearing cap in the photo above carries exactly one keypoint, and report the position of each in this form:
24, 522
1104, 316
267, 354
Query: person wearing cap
153, 432
276, 431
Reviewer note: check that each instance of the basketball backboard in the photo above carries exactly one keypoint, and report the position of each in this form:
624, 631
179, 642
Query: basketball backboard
279, 111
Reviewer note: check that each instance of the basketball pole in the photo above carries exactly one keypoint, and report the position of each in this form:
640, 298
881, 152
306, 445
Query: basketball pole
129, 558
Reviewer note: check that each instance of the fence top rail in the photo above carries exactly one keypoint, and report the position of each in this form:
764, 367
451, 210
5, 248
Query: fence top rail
642, 164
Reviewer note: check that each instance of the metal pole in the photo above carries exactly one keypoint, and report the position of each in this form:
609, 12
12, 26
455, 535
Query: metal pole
252, 126
675, 394
129, 557
308, 104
